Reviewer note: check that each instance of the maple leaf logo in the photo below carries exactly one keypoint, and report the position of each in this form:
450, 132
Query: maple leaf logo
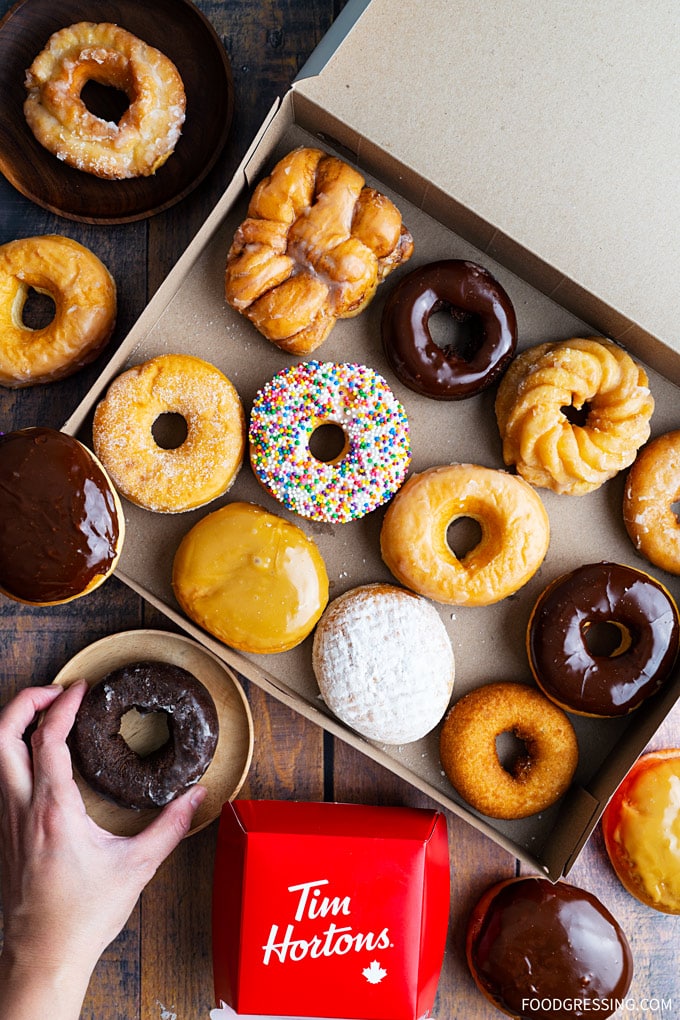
375, 973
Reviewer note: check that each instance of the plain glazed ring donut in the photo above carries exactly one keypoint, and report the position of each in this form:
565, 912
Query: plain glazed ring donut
148, 131
106, 761
652, 487
640, 614
590, 380
515, 533
375, 457
477, 301
182, 477
470, 758
84, 295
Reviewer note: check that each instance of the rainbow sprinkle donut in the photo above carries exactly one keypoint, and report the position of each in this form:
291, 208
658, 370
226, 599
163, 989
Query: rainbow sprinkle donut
374, 460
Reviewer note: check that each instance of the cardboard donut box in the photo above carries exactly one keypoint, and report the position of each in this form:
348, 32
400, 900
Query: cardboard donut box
541, 151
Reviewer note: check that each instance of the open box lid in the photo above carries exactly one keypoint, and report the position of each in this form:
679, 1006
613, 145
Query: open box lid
556, 126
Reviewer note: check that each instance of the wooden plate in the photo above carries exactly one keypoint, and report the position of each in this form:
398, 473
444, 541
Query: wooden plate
229, 767
175, 27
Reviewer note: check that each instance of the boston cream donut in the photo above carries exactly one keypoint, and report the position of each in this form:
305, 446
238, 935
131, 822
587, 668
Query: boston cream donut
384, 663
470, 758
641, 829
148, 131
252, 579
613, 673
652, 487
536, 949
61, 522
84, 296
197, 470
515, 534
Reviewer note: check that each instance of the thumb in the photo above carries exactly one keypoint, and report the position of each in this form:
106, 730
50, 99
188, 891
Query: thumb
168, 829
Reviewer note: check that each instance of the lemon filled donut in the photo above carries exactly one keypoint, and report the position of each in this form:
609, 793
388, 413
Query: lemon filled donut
203, 465
148, 131
652, 487
84, 296
515, 534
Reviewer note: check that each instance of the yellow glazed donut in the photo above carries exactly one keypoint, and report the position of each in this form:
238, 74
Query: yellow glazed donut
590, 379
470, 758
192, 474
148, 131
515, 533
252, 579
652, 487
84, 295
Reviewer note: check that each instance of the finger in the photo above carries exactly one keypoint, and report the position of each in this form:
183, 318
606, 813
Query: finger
151, 846
16, 774
52, 766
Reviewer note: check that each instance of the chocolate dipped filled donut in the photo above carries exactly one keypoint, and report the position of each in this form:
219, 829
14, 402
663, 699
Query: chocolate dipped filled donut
612, 673
106, 761
477, 302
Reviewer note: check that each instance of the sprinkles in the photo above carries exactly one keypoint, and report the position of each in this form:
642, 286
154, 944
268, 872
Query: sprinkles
297, 401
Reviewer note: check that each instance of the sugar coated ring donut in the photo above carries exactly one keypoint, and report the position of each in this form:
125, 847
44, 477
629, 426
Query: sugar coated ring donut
182, 477
477, 301
652, 487
470, 758
107, 762
641, 829
515, 533
148, 131
376, 454
384, 663
84, 295
588, 378
251, 578
611, 680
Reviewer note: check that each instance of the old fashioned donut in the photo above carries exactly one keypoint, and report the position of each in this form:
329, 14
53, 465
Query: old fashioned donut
610, 675
251, 578
384, 663
641, 830
84, 296
539, 949
313, 248
148, 131
181, 477
476, 301
61, 523
107, 762
470, 759
652, 487
375, 456
573, 413
515, 533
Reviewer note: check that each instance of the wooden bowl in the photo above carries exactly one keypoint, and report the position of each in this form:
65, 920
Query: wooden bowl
178, 29
231, 761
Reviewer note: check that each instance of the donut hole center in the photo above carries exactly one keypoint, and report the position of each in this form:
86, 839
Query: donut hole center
169, 430
605, 639
457, 333
328, 443
104, 100
675, 510
463, 535
144, 732
38, 310
576, 415
514, 753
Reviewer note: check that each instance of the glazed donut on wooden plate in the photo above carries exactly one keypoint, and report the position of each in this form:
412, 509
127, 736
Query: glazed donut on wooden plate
652, 487
84, 295
148, 131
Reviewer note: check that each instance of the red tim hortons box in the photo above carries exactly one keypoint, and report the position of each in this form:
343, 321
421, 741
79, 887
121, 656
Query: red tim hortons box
329, 910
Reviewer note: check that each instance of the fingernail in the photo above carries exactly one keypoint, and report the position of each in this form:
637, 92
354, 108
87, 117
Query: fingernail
198, 795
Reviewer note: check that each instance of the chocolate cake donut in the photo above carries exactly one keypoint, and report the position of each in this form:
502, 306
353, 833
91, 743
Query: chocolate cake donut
112, 767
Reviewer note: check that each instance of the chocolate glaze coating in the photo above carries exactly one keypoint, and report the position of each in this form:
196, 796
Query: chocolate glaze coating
543, 941
473, 297
59, 526
603, 593
109, 764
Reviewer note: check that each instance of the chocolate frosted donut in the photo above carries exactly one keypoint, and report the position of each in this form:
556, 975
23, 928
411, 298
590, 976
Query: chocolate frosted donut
109, 764
481, 306
538, 949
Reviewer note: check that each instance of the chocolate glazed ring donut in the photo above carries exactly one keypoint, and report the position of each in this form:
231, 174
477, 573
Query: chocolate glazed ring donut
108, 763
474, 299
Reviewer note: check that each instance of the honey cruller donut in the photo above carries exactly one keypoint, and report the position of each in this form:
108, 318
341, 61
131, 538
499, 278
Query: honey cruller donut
200, 468
313, 248
515, 534
470, 758
84, 295
148, 131
589, 378
652, 487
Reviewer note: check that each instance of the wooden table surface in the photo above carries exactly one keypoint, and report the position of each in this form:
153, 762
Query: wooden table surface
159, 968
